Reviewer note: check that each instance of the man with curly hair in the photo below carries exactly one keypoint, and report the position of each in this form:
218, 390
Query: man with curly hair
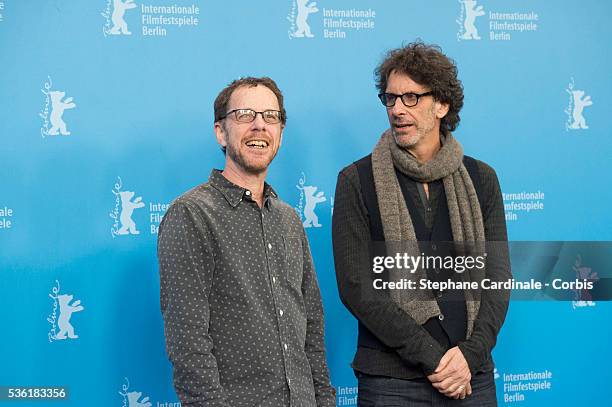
420, 347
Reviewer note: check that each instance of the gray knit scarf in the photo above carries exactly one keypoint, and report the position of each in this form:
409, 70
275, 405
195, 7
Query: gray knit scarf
464, 211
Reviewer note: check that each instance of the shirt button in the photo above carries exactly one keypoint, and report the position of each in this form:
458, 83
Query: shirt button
441, 317
434, 247
281, 313
269, 246
289, 382
285, 345
428, 209
274, 279
248, 193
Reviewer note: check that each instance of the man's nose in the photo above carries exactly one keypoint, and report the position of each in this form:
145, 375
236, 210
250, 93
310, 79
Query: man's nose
398, 107
259, 122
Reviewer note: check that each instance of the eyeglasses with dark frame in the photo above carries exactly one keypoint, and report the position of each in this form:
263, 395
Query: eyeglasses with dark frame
409, 99
249, 115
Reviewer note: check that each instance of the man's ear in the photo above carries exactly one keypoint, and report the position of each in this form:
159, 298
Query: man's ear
441, 109
220, 134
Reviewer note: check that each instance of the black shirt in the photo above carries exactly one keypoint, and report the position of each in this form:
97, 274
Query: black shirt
240, 301
411, 351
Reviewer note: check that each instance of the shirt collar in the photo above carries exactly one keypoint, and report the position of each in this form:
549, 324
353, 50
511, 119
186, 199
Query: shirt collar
233, 193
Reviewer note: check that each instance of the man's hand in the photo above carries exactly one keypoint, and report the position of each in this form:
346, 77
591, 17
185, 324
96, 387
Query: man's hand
452, 376
465, 392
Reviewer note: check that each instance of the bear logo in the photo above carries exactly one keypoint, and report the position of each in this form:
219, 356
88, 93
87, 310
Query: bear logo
66, 310
119, 24
133, 397
128, 226
583, 297
57, 111
312, 199
471, 12
304, 10
580, 102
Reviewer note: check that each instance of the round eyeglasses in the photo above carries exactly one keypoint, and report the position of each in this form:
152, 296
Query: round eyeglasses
249, 115
408, 99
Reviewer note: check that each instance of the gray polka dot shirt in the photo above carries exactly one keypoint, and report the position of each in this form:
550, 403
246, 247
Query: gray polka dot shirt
240, 301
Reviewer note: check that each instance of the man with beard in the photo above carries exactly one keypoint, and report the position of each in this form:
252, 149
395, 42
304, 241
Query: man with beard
421, 347
242, 311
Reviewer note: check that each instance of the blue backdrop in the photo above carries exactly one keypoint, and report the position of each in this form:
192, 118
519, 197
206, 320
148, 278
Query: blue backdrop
107, 117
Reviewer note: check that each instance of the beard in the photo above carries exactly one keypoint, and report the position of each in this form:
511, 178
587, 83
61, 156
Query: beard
421, 130
250, 164
407, 140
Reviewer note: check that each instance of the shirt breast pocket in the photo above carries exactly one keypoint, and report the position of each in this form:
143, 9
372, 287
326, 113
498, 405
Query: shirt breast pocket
294, 258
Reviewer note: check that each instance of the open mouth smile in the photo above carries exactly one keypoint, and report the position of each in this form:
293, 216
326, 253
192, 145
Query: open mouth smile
257, 144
